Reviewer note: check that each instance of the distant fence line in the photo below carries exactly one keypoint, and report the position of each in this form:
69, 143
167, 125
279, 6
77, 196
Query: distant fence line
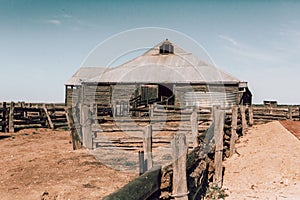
15, 116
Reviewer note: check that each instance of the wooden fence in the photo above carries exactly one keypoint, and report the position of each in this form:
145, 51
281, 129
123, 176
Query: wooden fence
193, 165
21, 115
264, 114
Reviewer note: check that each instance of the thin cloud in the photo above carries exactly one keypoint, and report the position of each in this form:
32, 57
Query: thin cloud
229, 39
53, 21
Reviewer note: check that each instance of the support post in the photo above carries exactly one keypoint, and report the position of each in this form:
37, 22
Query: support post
233, 130
87, 138
11, 118
147, 145
244, 121
194, 127
179, 148
251, 120
219, 117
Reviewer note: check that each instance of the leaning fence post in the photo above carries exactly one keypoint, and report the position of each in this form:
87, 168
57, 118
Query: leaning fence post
219, 117
194, 127
179, 148
233, 129
48, 117
244, 121
76, 141
11, 118
147, 145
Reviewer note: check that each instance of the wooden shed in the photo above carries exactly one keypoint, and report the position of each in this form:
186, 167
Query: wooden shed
165, 74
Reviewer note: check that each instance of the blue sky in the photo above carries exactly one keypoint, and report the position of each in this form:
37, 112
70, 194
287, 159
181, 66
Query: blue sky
42, 43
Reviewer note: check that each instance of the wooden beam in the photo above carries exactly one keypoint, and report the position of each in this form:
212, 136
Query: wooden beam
219, 116
147, 145
140, 188
179, 147
48, 117
233, 130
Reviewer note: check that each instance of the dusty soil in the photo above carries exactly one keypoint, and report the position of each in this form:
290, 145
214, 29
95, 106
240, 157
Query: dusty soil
40, 164
267, 166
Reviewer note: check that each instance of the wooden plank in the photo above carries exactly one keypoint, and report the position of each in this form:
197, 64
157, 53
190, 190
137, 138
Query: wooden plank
233, 130
140, 188
218, 135
48, 117
147, 146
179, 148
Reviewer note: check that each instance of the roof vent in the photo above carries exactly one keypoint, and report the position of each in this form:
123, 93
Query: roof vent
166, 48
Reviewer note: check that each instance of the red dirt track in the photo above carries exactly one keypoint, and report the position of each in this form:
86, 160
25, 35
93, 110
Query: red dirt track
293, 127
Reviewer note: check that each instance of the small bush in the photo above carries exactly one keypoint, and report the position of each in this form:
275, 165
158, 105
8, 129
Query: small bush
215, 192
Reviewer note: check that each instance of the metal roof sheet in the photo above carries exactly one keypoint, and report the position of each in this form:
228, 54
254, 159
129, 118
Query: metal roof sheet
84, 74
152, 67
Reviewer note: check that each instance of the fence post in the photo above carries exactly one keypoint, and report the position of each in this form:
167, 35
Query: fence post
233, 129
141, 163
194, 127
219, 117
76, 141
244, 121
250, 111
87, 138
290, 113
179, 148
4, 127
147, 145
11, 118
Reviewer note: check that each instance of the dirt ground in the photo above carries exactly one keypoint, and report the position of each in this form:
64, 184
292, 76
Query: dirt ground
40, 164
267, 165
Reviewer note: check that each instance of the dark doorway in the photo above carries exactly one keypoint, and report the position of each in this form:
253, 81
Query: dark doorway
165, 93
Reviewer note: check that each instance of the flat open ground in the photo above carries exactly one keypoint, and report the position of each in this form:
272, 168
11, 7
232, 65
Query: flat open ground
40, 164
268, 166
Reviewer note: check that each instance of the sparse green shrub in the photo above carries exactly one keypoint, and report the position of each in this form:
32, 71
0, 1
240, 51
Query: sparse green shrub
215, 192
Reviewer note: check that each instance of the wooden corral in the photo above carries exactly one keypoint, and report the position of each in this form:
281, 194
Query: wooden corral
21, 115
201, 164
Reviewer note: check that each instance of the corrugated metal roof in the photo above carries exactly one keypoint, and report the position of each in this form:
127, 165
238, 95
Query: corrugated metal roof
152, 67
84, 74
209, 99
